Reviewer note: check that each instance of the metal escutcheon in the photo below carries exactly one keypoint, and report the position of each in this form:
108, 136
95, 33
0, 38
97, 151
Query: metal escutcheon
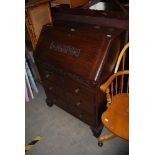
51, 88
47, 75
76, 90
78, 103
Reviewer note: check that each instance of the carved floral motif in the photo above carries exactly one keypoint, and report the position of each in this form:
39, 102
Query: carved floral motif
62, 48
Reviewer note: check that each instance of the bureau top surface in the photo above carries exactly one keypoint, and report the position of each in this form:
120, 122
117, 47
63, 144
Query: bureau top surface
76, 48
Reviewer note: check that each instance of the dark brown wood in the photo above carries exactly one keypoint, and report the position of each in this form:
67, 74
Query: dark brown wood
73, 59
94, 20
112, 15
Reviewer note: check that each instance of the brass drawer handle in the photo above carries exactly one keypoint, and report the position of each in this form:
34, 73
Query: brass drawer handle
50, 88
47, 75
77, 90
78, 103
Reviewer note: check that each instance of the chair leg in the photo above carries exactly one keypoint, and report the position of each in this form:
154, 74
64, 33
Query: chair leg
105, 137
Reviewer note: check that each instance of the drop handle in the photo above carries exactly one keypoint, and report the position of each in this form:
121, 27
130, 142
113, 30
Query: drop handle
78, 103
47, 75
50, 88
77, 90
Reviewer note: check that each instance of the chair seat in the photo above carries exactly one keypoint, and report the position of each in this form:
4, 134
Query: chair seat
116, 117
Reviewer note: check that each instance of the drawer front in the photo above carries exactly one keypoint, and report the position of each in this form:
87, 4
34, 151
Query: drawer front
69, 95
49, 76
77, 101
79, 92
80, 103
89, 119
54, 89
74, 88
85, 114
57, 100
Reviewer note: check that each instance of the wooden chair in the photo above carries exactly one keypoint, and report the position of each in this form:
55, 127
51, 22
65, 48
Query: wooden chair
116, 117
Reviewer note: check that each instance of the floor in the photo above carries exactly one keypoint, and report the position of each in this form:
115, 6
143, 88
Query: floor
62, 133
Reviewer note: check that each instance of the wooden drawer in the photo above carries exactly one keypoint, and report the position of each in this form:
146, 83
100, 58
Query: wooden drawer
69, 98
57, 100
49, 76
72, 86
81, 104
78, 101
53, 89
79, 92
89, 119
